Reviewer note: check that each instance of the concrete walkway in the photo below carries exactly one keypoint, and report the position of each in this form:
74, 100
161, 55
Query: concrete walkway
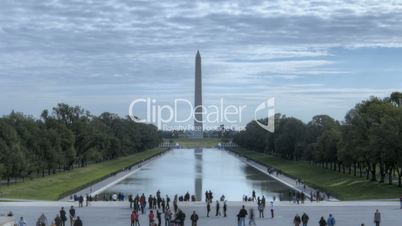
117, 213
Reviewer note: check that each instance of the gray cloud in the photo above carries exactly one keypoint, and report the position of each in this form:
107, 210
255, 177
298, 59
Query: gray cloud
70, 50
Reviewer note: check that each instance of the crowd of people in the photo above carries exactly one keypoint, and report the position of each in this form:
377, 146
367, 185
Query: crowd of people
61, 219
157, 208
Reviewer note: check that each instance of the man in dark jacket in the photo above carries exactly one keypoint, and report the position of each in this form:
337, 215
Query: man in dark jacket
377, 218
58, 220
297, 220
241, 216
72, 215
208, 209
305, 219
218, 211
225, 207
63, 216
78, 222
194, 219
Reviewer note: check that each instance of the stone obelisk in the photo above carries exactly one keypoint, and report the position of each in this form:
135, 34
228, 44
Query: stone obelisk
198, 131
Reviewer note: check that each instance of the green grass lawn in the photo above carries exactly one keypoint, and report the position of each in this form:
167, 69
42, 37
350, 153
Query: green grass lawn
194, 143
342, 186
51, 187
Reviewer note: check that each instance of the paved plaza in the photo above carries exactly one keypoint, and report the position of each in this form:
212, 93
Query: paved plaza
117, 213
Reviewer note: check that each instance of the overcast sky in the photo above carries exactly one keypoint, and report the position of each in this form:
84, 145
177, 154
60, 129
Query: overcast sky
314, 57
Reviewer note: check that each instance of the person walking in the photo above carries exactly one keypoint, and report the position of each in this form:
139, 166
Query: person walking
81, 201
159, 217
218, 211
58, 221
42, 220
322, 222
331, 220
22, 222
305, 219
168, 217
260, 210
225, 207
63, 216
377, 218
151, 218
78, 222
194, 219
252, 217
272, 210
72, 215
241, 216
134, 219
297, 220
208, 208
400, 200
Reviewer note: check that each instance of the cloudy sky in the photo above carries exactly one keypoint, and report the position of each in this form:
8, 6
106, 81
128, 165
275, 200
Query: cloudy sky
314, 57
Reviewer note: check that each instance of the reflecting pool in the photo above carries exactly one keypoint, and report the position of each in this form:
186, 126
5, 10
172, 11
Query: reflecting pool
195, 171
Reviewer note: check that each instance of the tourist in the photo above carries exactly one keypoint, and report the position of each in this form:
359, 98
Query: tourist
331, 220
78, 222
86, 200
143, 203
377, 218
159, 217
253, 195
151, 218
81, 201
163, 205
63, 216
241, 216
322, 222
252, 217
130, 200
305, 219
272, 210
22, 222
42, 220
168, 217
194, 219
134, 219
180, 218
297, 220
218, 211
400, 200
58, 221
225, 207
72, 215
167, 202
261, 210
208, 209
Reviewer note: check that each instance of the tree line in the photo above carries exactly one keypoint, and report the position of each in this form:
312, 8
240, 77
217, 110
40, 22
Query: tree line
368, 143
67, 137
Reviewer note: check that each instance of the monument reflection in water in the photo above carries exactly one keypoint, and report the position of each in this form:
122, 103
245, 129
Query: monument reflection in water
195, 171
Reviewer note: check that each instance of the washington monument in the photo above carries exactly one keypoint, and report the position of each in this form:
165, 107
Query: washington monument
198, 131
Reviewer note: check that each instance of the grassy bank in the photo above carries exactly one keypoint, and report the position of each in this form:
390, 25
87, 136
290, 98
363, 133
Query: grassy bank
344, 187
51, 187
194, 143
